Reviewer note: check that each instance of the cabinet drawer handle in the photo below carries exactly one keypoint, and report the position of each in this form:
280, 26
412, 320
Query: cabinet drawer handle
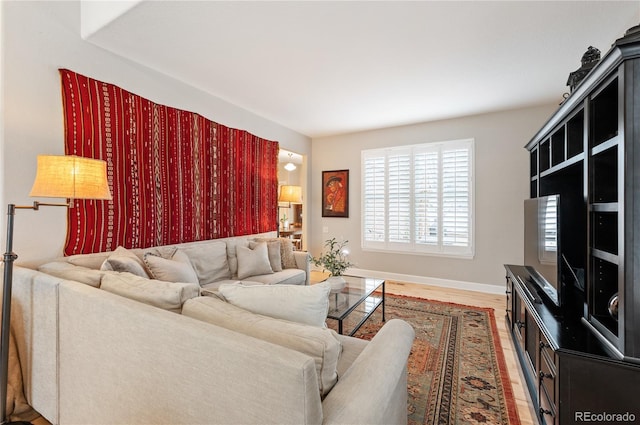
545, 412
545, 375
544, 345
520, 324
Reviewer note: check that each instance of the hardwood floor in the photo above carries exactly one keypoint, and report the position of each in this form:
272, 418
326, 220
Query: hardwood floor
479, 299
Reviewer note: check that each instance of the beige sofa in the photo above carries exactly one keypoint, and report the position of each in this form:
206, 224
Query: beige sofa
215, 262
89, 355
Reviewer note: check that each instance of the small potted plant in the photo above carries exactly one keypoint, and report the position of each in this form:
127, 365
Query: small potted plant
334, 260
285, 222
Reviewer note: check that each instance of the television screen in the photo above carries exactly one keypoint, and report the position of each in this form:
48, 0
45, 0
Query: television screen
542, 255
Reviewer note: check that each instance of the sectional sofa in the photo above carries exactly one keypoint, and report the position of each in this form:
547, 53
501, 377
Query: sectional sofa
100, 343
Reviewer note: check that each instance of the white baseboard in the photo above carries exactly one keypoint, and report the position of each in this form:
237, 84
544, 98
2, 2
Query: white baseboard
446, 283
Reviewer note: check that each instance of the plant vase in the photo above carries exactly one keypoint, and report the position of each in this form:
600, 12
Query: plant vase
337, 283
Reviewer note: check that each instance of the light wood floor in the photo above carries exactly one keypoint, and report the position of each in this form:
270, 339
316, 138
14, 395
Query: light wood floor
479, 299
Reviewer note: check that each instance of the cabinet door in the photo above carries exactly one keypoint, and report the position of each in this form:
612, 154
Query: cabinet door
592, 386
509, 297
531, 341
547, 371
519, 314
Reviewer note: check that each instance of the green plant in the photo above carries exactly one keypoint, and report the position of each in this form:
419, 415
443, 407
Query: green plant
333, 259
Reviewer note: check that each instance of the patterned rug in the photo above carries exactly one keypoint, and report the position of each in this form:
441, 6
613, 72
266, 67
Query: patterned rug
457, 371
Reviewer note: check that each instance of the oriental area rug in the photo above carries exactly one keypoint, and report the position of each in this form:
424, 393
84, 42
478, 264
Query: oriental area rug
456, 370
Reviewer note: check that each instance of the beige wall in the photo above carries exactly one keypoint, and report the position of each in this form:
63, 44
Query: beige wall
40, 37
501, 185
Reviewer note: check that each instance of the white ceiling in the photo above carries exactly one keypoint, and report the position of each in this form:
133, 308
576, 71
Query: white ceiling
330, 67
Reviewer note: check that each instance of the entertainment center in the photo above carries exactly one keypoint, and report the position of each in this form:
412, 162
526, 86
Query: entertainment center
573, 308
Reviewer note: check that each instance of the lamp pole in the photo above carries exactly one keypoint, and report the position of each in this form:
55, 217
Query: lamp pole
9, 257
57, 176
5, 331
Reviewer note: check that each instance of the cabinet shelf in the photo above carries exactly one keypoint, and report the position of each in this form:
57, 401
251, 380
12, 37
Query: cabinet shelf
607, 144
605, 256
569, 162
604, 207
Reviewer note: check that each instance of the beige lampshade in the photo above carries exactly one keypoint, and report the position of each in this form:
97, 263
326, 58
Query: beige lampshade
71, 177
291, 194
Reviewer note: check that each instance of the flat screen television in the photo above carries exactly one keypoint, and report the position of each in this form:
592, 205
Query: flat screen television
542, 248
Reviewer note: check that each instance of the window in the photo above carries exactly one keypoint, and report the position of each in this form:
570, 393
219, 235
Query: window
419, 198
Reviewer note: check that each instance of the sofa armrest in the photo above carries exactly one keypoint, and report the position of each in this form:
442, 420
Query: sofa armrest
136, 364
374, 389
303, 262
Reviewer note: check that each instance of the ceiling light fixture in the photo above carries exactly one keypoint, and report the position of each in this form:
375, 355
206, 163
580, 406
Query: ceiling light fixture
290, 166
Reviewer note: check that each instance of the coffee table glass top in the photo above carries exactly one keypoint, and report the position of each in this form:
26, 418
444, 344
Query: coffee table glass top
355, 292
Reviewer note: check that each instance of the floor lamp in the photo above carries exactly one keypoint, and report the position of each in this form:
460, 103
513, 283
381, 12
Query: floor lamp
291, 195
57, 176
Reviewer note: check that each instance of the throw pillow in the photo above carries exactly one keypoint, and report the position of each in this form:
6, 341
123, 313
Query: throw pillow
123, 260
297, 303
176, 268
166, 295
275, 258
209, 260
286, 251
253, 262
320, 344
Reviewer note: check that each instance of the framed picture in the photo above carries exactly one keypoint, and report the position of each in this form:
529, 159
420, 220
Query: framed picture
335, 193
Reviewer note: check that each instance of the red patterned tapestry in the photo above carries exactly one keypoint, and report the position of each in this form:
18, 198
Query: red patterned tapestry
175, 176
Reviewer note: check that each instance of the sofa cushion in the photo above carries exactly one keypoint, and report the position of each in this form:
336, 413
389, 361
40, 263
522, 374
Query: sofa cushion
209, 260
320, 344
302, 304
175, 268
123, 260
275, 257
286, 251
285, 277
253, 261
91, 261
166, 295
69, 271
232, 245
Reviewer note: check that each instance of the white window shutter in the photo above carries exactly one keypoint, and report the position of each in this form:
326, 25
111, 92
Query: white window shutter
419, 198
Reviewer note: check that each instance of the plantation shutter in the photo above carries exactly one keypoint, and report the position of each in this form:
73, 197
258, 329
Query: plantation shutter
427, 200
374, 196
455, 197
399, 197
419, 198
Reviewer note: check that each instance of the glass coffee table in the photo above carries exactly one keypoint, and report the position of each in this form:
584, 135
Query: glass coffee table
357, 298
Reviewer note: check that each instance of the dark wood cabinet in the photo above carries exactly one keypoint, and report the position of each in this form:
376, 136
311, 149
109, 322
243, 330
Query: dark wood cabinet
588, 152
583, 358
568, 373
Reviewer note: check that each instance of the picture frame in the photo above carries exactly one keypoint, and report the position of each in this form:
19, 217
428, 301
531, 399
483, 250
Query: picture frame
335, 193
